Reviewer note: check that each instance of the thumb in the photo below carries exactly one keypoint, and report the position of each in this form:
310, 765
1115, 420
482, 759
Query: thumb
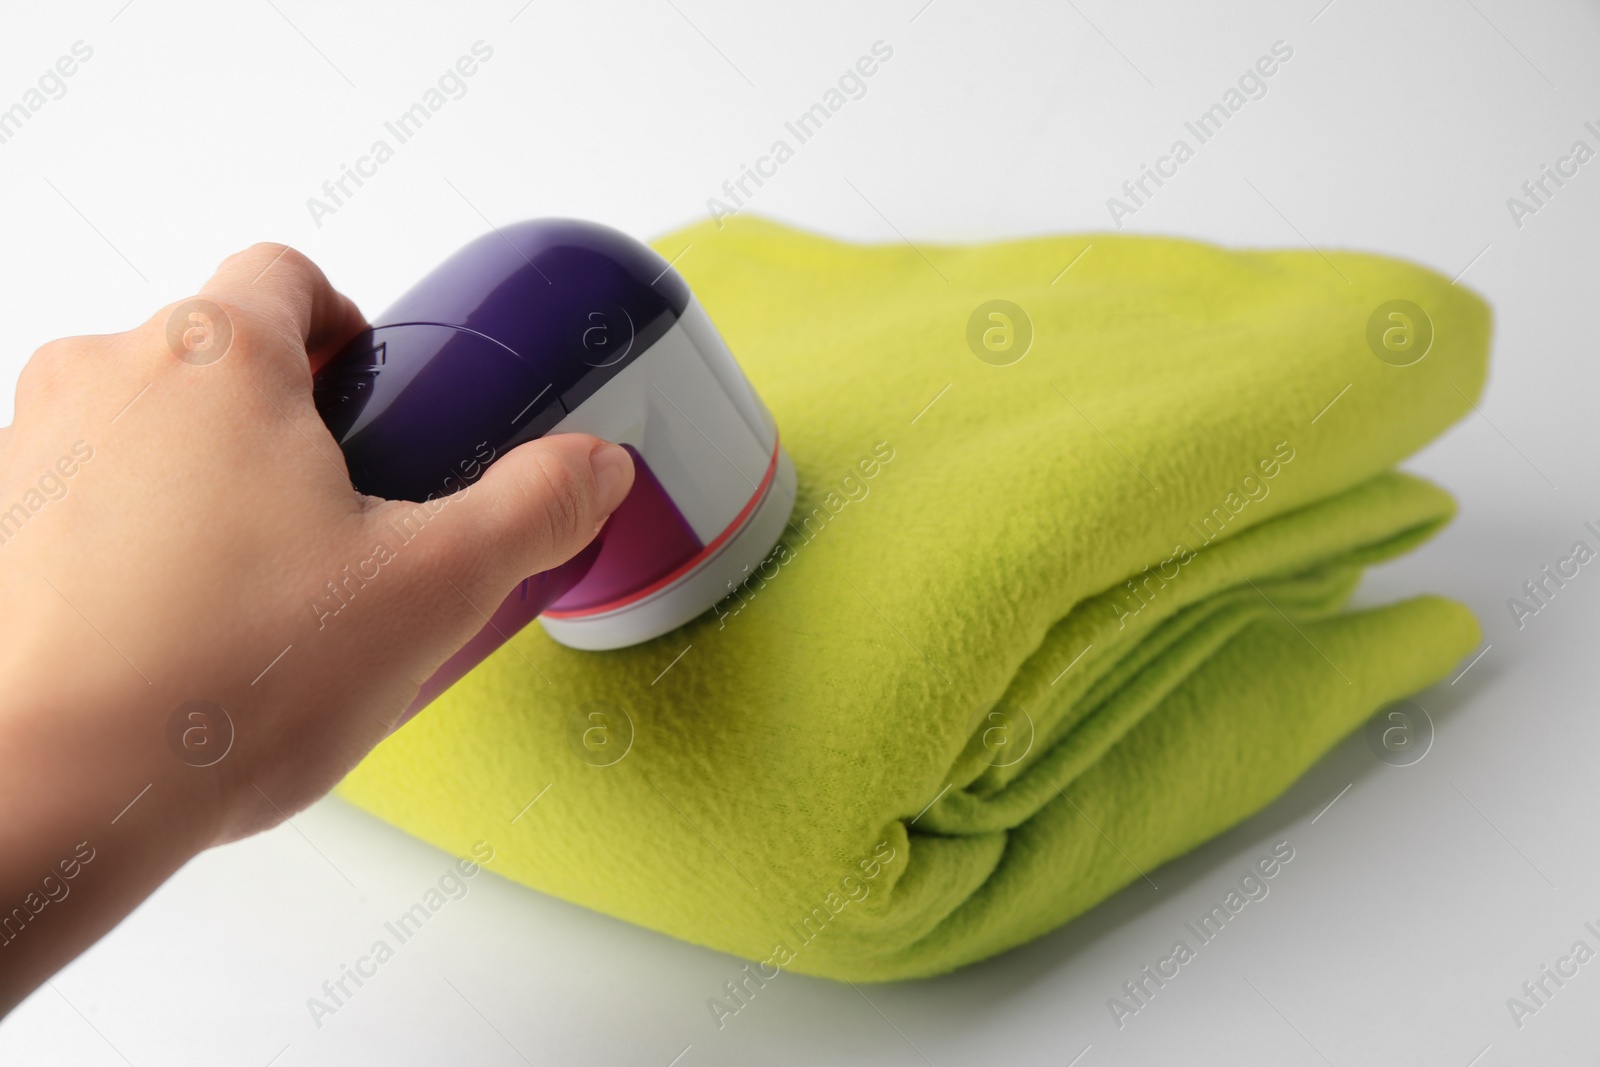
535, 508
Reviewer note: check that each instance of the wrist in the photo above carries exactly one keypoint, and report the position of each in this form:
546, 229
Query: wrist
84, 757
96, 819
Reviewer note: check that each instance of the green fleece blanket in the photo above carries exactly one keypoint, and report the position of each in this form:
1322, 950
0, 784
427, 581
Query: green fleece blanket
1061, 598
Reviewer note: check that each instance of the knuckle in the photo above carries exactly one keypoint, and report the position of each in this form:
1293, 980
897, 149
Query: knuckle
33, 383
48, 368
255, 263
281, 257
54, 353
188, 328
285, 256
260, 251
267, 248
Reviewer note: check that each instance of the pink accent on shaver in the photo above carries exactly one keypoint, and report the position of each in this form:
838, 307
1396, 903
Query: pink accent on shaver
556, 611
644, 536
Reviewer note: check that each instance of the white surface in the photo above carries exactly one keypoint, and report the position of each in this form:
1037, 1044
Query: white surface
1415, 905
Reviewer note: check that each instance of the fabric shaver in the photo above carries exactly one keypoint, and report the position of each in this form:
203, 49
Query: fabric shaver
555, 326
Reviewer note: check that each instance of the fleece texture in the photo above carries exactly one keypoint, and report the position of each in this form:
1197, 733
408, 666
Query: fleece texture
1034, 628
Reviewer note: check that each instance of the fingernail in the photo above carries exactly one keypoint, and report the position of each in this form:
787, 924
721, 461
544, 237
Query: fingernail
612, 466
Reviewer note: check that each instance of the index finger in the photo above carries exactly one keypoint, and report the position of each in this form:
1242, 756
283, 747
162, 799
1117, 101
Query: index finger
281, 286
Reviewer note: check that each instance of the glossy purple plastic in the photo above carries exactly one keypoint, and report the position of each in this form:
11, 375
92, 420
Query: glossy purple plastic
493, 348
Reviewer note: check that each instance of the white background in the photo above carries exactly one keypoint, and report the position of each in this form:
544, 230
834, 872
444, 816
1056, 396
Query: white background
1415, 905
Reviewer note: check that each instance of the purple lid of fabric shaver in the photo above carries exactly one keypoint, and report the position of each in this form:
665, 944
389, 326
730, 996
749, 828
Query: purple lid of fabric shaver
554, 326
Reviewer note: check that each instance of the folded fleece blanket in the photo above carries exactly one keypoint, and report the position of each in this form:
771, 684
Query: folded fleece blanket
1042, 620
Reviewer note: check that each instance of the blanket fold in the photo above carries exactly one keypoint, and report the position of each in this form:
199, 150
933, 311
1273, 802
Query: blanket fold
1062, 597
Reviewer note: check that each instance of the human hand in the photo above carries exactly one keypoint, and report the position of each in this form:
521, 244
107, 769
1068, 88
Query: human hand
165, 526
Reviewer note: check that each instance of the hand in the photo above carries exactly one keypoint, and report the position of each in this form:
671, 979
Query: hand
165, 528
